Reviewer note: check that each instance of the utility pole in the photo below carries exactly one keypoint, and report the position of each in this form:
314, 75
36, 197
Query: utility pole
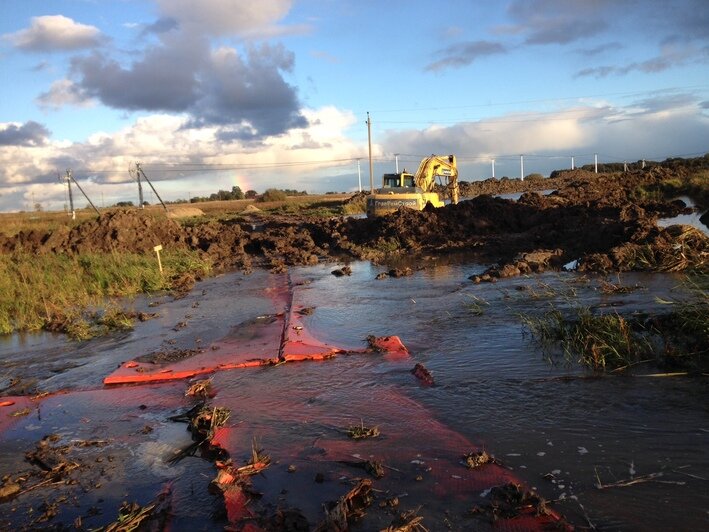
71, 196
67, 179
521, 167
69, 176
359, 175
396, 158
369, 140
595, 162
140, 172
140, 187
493, 168
572, 162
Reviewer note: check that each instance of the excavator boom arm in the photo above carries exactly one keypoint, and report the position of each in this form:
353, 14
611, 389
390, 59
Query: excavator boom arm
438, 165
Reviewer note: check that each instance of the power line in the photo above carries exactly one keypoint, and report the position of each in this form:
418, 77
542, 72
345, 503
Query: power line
221, 167
541, 100
386, 158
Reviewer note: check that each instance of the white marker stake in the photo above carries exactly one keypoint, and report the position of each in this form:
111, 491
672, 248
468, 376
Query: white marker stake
157, 252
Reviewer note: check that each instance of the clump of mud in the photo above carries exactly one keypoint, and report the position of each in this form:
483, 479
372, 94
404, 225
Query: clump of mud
510, 501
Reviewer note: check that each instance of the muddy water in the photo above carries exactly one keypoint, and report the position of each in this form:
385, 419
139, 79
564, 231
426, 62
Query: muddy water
693, 219
496, 389
492, 386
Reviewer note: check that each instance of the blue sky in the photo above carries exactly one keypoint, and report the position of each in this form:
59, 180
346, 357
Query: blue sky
216, 93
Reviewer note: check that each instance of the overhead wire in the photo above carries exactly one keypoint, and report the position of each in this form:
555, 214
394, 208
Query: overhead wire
540, 100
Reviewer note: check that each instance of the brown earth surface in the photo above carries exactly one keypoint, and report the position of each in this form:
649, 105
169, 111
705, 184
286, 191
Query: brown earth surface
597, 219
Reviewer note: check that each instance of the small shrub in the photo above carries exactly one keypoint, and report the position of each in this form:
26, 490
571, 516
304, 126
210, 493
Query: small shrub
272, 194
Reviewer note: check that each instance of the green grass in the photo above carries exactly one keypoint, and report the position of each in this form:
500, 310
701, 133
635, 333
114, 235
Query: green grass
62, 292
696, 186
678, 338
476, 305
599, 342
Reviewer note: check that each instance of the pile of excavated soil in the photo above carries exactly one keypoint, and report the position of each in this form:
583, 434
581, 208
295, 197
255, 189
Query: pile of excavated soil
593, 218
119, 231
250, 209
184, 212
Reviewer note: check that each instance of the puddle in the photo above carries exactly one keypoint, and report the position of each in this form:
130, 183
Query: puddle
692, 219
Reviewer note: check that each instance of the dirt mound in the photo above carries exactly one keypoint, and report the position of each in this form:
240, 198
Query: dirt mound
120, 230
676, 248
494, 186
184, 212
250, 209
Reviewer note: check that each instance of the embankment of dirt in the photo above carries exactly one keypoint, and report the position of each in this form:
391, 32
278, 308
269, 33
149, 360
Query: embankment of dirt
601, 220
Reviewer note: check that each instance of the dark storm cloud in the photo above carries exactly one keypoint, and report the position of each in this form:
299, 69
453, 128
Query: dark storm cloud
600, 49
463, 54
161, 25
684, 20
558, 21
235, 90
704, 104
668, 59
42, 66
665, 102
247, 95
596, 72
679, 30
65, 161
564, 31
163, 80
28, 134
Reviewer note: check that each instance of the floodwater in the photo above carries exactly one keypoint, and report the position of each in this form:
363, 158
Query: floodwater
493, 388
693, 219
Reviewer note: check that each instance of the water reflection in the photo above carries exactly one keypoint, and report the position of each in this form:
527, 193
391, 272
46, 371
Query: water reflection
692, 219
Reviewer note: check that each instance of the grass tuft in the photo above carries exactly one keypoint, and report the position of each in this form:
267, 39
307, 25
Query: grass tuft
600, 342
614, 342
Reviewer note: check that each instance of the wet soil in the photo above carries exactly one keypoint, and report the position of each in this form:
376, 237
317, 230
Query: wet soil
600, 220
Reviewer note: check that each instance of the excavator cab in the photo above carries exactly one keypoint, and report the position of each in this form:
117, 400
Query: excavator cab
403, 179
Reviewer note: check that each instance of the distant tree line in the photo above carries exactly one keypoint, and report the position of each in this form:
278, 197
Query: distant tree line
272, 194
222, 195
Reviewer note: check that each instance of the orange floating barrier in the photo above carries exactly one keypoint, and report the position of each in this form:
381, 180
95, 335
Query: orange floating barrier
275, 339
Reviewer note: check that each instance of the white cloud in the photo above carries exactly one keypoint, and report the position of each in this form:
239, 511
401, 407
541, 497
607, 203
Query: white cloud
244, 18
52, 33
617, 134
317, 157
64, 92
162, 145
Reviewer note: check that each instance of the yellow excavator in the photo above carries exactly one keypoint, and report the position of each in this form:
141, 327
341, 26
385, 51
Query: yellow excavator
414, 191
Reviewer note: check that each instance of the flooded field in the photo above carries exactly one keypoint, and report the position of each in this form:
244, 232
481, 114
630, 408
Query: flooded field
556, 428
